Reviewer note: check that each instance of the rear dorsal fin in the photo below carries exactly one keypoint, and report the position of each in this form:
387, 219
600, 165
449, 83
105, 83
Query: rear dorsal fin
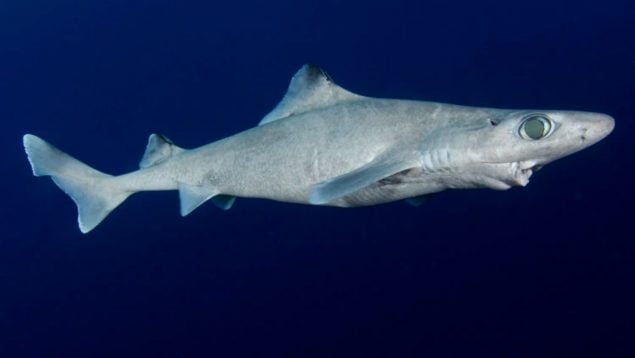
158, 150
310, 88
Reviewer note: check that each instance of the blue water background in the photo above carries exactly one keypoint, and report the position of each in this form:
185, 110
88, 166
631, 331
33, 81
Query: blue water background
546, 270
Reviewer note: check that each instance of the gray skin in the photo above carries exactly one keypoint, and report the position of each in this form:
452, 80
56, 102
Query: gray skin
442, 146
324, 145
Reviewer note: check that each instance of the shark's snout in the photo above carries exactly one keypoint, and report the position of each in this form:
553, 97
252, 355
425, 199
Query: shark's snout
603, 125
596, 127
606, 124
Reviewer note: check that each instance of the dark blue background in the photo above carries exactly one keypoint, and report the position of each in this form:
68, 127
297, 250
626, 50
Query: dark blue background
546, 270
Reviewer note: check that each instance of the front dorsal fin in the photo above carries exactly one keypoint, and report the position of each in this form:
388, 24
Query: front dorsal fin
158, 150
310, 88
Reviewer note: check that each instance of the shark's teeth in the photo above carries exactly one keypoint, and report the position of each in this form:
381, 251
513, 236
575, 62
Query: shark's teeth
523, 171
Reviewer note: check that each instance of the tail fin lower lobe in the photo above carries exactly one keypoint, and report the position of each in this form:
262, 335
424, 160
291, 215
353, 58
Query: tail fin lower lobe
96, 194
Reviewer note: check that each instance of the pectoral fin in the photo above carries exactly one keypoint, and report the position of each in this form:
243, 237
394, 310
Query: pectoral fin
338, 187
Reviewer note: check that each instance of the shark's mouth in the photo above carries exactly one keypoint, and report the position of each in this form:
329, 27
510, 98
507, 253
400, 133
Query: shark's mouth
502, 176
522, 171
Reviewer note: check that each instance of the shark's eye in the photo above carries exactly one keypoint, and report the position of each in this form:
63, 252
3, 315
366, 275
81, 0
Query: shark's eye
535, 127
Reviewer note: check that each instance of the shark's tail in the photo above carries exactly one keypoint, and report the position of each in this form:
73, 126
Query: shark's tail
95, 193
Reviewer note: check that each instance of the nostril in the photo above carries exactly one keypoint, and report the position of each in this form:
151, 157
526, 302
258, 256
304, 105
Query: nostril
583, 136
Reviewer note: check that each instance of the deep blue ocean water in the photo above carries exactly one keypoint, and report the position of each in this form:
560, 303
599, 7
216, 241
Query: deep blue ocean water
546, 270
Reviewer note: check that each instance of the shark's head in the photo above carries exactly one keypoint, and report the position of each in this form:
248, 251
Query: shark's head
513, 144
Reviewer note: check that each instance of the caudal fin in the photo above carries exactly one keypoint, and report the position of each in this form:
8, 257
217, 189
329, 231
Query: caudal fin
95, 193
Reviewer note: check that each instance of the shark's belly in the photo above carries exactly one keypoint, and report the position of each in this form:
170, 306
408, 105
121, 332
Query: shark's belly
408, 184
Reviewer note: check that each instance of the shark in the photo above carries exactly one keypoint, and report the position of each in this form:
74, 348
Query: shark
325, 145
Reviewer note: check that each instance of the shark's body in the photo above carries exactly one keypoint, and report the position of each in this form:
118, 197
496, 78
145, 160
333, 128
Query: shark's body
327, 146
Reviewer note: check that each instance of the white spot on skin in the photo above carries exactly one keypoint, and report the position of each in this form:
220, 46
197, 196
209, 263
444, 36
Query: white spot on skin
316, 164
436, 111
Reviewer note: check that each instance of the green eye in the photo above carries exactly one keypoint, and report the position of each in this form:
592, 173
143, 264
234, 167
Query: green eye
535, 127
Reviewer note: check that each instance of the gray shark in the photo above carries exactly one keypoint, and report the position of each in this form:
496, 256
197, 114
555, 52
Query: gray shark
324, 145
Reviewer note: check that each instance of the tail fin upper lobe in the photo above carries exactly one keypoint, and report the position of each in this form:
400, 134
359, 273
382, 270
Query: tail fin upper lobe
96, 194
